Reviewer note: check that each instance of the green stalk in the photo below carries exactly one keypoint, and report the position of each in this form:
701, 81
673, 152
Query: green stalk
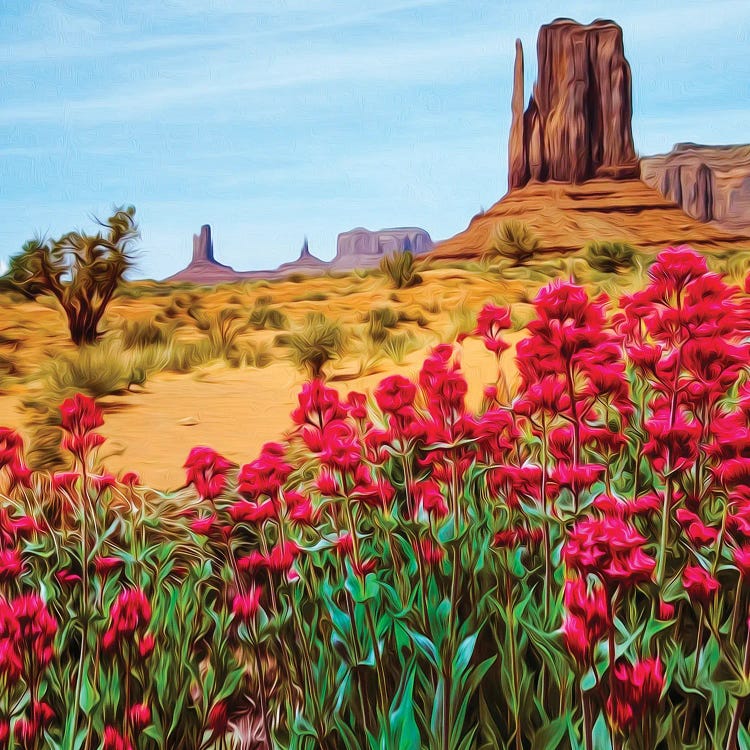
739, 708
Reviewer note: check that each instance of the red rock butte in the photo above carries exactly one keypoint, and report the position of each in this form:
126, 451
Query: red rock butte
577, 125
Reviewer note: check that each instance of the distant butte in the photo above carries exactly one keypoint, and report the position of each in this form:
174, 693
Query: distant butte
711, 183
359, 248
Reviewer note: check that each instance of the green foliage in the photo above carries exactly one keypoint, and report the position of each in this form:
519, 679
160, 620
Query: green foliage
513, 240
81, 271
401, 268
610, 257
318, 342
263, 318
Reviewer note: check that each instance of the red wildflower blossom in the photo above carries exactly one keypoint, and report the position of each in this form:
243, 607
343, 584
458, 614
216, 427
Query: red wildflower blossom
130, 479
11, 564
104, 565
245, 606
344, 545
699, 584
146, 645
638, 689
267, 474
491, 321
37, 627
130, 614
672, 444
318, 406
695, 530
207, 471
65, 481
140, 716
113, 740
340, 447
80, 416
357, 404
218, 717
587, 620
429, 496
395, 395
245, 511
430, 552
611, 549
205, 525
666, 610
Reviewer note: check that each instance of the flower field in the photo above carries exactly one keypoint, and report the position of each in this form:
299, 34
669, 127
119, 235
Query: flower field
567, 568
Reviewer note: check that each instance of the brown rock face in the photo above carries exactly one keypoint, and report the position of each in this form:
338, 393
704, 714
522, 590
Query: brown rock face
710, 183
577, 125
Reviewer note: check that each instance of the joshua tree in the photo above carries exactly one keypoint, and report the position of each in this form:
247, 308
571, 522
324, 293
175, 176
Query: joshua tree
82, 271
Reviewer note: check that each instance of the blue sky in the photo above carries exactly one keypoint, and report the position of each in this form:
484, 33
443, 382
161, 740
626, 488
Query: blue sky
271, 120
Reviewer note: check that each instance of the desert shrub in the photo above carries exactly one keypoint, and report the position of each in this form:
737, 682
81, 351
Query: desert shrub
318, 342
401, 268
251, 355
513, 240
379, 321
610, 256
264, 318
223, 329
139, 334
397, 347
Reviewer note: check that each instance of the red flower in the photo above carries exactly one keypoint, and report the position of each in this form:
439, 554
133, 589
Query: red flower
666, 610
611, 549
65, 481
37, 627
203, 526
638, 689
130, 614
357, 404
699, 584
140, 716
11, 564
395, 395
742, 560
245, 606
340, 447
676, 443
492, 320
146, 645
218, 717
428, 495
344, 545
430, 552
587, 620
104, 565
11, 446
267, 474
254, 513
113, 740
318, 406
130, 479
698, 533
207, 470
80, 416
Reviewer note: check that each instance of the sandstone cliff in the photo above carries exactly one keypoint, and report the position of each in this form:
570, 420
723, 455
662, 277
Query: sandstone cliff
577, 123
710, 183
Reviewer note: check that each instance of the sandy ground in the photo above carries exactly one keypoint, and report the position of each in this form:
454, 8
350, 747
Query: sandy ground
234, 411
